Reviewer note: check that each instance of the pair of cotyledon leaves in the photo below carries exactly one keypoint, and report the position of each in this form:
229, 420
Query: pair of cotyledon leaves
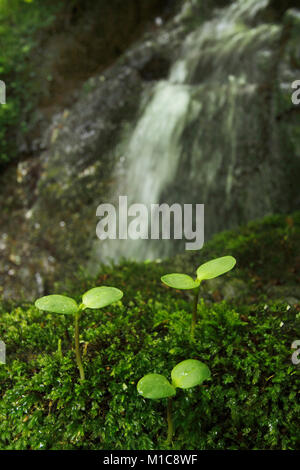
98, 297
186, 374
208, 270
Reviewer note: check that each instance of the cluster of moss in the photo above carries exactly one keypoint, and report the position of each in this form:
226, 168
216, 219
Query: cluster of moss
22, 22
251, 401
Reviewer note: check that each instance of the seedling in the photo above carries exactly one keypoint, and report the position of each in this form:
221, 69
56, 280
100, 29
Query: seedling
186, 374
98, 297
209, 270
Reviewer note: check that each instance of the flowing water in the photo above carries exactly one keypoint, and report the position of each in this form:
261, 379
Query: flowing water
195, 139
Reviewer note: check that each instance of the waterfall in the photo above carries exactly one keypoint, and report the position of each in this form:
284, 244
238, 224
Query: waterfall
151, 161
154, 149
195, 137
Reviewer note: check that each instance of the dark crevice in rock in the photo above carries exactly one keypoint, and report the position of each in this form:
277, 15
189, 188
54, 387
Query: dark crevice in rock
157, 68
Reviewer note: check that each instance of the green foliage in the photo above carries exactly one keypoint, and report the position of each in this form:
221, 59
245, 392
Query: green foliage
265, 248
155, 386
215, 268
95, 298
189, 373
180, 281
57, 304
252, 401
100, 297
21, 23
186, 374
209, 270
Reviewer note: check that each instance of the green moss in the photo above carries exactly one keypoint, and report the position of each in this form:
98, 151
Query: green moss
251, 401
21, 24
266, 250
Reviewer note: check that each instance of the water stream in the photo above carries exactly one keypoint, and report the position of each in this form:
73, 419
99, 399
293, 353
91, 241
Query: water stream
195, 137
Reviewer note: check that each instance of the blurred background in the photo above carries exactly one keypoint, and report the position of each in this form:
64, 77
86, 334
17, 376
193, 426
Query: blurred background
160, 100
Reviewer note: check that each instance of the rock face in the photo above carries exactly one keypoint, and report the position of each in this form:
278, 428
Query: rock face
199, 111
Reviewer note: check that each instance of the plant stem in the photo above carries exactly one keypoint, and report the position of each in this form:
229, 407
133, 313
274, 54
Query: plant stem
77, 351
170, 422
59, 349
194, 317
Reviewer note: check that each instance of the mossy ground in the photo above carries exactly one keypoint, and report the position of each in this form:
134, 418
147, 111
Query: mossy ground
251, 401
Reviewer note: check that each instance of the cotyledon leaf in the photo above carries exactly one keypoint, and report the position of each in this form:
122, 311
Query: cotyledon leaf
180, 281
215, 267
189, 373
155, 386
57, 304
100, 297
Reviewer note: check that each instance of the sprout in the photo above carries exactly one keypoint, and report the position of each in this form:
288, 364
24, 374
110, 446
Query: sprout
209, 270
186, 374
98, 297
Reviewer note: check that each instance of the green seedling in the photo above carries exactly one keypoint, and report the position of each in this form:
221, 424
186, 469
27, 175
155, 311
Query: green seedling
186, 374
98, 297
209, 270
59, 351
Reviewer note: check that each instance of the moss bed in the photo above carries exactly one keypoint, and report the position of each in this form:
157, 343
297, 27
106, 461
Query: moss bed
252, 399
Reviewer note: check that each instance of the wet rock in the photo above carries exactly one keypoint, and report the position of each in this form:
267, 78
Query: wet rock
235, 289
289, 293
226, 289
